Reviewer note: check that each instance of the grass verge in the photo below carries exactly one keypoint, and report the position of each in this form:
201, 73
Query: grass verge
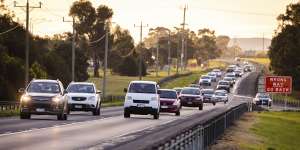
9, 113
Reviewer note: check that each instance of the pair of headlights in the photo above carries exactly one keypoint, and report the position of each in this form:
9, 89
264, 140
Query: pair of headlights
130, 98
27, 98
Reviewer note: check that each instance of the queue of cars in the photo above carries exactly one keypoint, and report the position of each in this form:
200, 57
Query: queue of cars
48, 97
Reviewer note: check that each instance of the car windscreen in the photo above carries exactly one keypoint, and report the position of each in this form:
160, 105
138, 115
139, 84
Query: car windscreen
142, 88
205, 77
223, 83
207, 92
43, 87
80, 88
220, 94
190, 91
228, 79
168, 94
263, 96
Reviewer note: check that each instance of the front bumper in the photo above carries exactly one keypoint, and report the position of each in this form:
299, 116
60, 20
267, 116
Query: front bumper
42, 108
81, 107
140, 110
207, 100
262, 102
189, 102
169, 108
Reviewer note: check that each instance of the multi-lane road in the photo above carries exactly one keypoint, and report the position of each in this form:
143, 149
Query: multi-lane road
82, 130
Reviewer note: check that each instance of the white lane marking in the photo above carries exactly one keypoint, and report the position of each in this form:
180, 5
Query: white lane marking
52, 127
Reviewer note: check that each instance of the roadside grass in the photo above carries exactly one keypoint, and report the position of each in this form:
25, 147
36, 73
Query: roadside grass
9, 113
183, 81
264, 61
278, 130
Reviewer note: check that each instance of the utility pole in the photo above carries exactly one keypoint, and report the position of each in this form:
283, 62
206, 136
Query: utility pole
73, 47
169, 53
263, 42
105, 63
156, 60
27, 38
141, 41
182, 41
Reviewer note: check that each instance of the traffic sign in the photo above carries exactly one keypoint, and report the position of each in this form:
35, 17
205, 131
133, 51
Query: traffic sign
278, 84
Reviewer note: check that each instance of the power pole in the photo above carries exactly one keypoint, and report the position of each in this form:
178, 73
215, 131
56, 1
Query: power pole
156, 60
27, 6
105, 64
263, 42
73, 47
182, 41
141, 41
169, 53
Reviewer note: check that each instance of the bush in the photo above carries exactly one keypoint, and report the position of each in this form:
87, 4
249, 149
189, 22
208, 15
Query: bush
130, 67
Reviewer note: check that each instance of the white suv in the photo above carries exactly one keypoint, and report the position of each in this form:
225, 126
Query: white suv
142, 98
83, 96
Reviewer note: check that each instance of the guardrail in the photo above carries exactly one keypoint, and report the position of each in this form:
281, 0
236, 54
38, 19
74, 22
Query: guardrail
9, 105
201, 136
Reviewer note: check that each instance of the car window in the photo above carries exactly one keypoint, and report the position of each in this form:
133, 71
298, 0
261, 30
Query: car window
205, 77
142, 88
223, 83
80, 88
168, 94
220, 94
190, 91
43, 87
207, 92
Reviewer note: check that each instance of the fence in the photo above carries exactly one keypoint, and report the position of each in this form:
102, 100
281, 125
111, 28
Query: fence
9, 105
201, 136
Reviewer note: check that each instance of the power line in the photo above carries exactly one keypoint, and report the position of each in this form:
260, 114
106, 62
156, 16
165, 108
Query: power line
98, 40
9, 30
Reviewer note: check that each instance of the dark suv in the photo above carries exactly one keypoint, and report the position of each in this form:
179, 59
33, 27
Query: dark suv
191, 97
43, 97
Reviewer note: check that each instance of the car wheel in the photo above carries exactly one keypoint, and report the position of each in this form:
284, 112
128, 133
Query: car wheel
201, 107
156, 115
214, 103
126, 114
25, 115
69, 110
177, 113
96, 111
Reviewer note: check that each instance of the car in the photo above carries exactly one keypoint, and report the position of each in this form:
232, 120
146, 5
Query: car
191, 97
205, 81
142, 97
238, 73
169, 101
262, 99
213, 76
247, 68
223, 85
83, 96
178, 90
207, 96
231, 68
220, 96
230, 80
232, 75
43, 97
218, 72
195, 85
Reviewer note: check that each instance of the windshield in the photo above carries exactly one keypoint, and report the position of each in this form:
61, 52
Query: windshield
142, 88
43, 87
211, 74
168, 94
190, 91
205, 77
81, 88
227, 79
223, 83
207, 92
220, 94
263, 96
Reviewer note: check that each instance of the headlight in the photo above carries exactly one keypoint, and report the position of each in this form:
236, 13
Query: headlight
128, 98
56, 99
92, 98
25, 98
153, 98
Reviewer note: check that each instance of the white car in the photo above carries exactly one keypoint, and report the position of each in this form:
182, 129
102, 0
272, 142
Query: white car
220, 96
262, 99
142, 97
83, 96
218, 72
213, 76
205, 81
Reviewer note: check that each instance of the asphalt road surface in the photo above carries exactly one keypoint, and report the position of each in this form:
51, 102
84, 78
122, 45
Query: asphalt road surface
82, 130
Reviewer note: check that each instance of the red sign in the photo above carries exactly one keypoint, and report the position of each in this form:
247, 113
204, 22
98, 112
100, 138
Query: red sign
278, 84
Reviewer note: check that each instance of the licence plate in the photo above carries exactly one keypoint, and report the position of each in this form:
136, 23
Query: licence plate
190, 102
78, 106
164, 106
40, 109
140, 105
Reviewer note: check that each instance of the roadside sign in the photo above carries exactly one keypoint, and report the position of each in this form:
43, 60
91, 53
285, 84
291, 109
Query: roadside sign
278, 84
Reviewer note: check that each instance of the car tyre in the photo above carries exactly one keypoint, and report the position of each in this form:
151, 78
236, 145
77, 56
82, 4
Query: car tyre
201, 107
156, 115
25, 115
96, 111
177, 113
214, 103
126, 114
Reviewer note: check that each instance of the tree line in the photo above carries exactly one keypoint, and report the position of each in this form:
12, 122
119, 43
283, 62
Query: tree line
50, 56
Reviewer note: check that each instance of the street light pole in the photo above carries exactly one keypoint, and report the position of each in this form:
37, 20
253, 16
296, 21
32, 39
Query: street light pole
169, 53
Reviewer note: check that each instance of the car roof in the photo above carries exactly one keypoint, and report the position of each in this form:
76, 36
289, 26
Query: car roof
177, 88
195, 88
170, 90
148, 82
221, 91
207, 90
45, 80
87, 83
223, 81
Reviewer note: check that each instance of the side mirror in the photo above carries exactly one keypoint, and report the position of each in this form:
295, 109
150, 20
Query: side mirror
21, 90
98, 92
125, 90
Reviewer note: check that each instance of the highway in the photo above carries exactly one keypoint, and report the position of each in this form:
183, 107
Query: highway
82, 130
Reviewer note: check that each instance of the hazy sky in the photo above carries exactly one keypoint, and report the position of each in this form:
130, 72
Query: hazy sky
236, 18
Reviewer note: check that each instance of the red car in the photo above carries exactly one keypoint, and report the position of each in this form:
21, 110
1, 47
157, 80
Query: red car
169, 101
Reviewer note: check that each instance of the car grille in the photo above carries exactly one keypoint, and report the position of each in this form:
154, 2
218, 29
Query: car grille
166, 103
78, 98
40, 98
141, 101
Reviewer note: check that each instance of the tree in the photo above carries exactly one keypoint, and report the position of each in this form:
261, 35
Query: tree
222, 42
285, 46
91, 22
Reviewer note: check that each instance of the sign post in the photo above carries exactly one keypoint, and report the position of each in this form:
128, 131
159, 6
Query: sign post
279, 84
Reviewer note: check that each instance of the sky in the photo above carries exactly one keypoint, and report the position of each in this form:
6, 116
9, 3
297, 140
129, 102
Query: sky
235, 18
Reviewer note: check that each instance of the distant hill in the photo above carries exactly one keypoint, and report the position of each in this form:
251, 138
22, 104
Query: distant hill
251, 43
